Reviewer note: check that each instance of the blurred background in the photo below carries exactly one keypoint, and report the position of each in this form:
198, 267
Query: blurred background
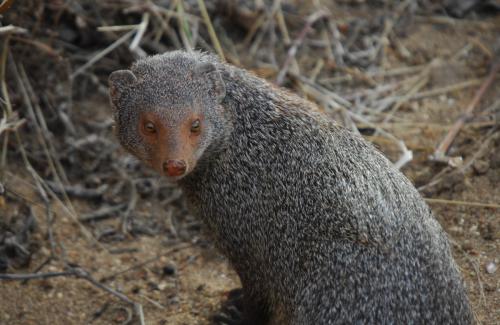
99, 239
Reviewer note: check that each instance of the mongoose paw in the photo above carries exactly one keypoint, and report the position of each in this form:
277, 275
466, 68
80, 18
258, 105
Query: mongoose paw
231, 312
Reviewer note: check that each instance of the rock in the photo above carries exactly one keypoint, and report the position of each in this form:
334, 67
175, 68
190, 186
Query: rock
481, 166
491, 267
495, 159
489, 287
467, 246
145, 187
169, 270
488, 231
461, 8
451, 182
162, 286
4, 264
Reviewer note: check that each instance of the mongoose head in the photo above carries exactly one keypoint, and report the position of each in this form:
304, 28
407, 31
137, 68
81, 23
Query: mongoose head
167, 110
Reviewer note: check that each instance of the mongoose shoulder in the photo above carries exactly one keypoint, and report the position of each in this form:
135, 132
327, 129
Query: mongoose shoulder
320, 227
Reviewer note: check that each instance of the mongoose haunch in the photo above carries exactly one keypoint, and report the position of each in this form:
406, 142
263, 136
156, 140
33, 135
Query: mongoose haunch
320, 227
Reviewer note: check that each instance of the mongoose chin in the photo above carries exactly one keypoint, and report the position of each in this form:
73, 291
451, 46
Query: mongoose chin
319, 225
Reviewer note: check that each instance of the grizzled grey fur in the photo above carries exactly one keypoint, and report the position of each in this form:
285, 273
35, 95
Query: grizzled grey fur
320, 227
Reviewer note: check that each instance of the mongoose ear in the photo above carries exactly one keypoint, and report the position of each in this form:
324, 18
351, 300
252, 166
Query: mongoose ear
217, 84
119, 81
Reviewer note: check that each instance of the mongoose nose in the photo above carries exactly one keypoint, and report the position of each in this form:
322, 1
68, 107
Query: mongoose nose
174, 167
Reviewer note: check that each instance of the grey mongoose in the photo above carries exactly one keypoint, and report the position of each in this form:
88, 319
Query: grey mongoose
320, 227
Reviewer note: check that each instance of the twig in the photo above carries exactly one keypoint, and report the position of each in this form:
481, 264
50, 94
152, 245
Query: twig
98, 313
80, 274
174, 249
49, 219
68, 207
465, 203
406, 155
32, 276
129, 314
11, 29
483, 148
482, 47
101, 213
22, 150
45, 141
282, 24
37, 180
18, 195
118, 28
442, 149
396, 71
297, 42
38, 119
211, 31
183, 26
338, 50
153, 302
334, 101
475, 266
141, 29
444, 90
383, 40
12, 124
78, 190
39, 267
357, 74
253, 29
140, 313
8, 106
102, 54
421, 81
134, 197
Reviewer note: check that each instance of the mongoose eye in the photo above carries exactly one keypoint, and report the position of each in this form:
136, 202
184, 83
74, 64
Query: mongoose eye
149, 127
195, 126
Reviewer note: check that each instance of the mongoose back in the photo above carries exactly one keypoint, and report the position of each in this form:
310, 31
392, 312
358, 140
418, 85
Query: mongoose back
320, 227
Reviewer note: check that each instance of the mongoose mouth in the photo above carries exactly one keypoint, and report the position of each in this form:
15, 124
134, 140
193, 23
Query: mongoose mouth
173, 179
174, 168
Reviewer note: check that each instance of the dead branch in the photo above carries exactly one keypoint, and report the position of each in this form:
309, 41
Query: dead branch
442, 149
80, 274
297, 42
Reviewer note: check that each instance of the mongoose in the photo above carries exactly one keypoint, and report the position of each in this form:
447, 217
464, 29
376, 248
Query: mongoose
319, 225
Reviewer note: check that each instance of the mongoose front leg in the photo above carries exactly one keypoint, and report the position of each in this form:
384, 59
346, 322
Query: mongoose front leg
239, 309
231, 311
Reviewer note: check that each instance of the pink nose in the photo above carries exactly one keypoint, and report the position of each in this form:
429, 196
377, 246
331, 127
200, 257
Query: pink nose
174, 167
